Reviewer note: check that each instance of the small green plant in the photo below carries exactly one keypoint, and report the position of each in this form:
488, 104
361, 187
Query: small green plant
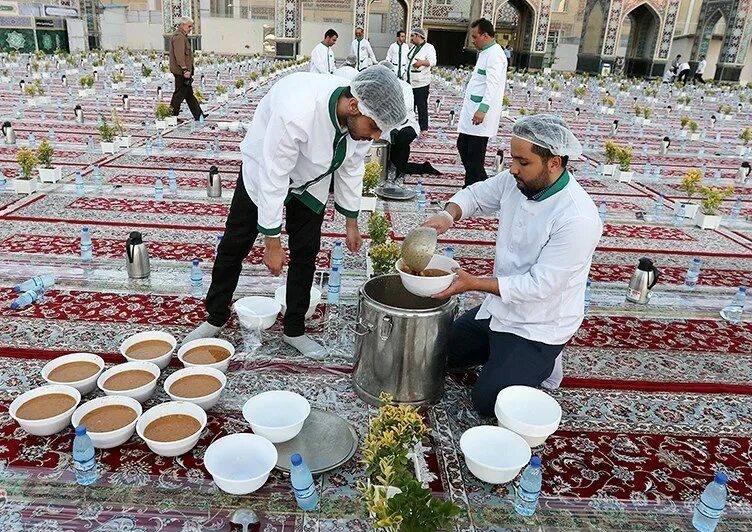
27, 161
624, 155
691, 181
86, 82
106, 131
162, 111
220, 89
239, 83
637, 111
253, 76
609, 101
580, 91
746, 135
44, 154
378, 227
384, 256
118, 77
146, 71
505, 101
712, 198
371, 177
647, 112
523, 111
199, 95
683, 121
611, 151
693, 126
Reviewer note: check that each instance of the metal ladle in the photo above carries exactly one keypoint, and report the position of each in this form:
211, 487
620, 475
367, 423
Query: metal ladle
419, 247
244, 517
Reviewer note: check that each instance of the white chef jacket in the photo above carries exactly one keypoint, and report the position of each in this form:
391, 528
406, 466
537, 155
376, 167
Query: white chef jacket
485, 92
364, 56
543, 253
421, 76
346, 71
701, 67
411, 120
289, 150
322, 59
397, 56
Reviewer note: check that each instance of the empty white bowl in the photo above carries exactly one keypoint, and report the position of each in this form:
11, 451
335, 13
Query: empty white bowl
113, 438
280, 295
221, 365
50, 425
84, 386
178, 447
140, 394
531, 413
428, 286
206, 401
240, 463
162, 361
255, 311
277, 415
494, 454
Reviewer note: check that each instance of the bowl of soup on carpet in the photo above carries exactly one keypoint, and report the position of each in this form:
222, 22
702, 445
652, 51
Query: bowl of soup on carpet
153, 346
199, 385
78, 370
110, 421
131, 379
207, 353
45, 410
172, 428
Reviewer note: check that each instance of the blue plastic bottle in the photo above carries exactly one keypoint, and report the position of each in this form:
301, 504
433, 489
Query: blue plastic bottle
338, 256
158, 189
26, 299
588, 297
449, 251
302, 484
172, 180
528, 490
711, 504
80, 189
693, 273
40, 281
84, 460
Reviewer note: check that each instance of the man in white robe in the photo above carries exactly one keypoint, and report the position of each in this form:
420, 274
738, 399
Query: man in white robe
322, 56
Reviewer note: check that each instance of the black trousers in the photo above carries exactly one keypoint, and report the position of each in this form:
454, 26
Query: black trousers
683, 76
473, 154
184, 91
698, 77
421, 106
400, 151
303, 228
507, 359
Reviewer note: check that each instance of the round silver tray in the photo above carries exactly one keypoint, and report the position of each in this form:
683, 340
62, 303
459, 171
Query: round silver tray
394, 192
325, 442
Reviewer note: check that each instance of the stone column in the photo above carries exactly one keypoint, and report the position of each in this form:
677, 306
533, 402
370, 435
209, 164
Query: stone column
735, 42
360, 15
287, 16
415, 15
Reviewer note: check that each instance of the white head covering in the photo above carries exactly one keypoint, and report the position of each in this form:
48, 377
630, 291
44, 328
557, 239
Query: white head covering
550, 132
379, 97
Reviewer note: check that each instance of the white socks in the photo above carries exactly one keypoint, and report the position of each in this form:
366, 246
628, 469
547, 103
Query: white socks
557, 375
205, 330
306, 345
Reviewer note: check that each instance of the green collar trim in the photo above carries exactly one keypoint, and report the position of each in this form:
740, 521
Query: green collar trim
307, 199
333, 109
556, 186
489, 45
322, 42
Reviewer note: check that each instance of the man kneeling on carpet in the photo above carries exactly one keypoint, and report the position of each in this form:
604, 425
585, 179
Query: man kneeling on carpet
548, 230
308, 130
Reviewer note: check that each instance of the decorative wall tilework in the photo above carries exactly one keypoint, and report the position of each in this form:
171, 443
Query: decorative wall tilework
487, 9
612, 28
416, 16
361, 14
669, 23
288, 18
397, 17
544, 19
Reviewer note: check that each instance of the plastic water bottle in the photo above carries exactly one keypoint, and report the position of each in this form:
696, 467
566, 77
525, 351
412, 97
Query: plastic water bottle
52, 137
84, 461
658, 207
160, 141
148, 146
588, 297
693, 273
208, 149
338, 256
736, 210
90, 143
32, 140
528, 489
172, 180
215, 147
602, 210
419, 187
421, 202
26, 299
158, 189
679, 215
197, 279
35, 283
335, 279
3, 180
302, 484
449, 251
80, 190
733, 311
87, 247
201, 121
709, 508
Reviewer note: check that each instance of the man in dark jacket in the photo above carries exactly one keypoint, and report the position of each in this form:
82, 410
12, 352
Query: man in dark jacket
181, 65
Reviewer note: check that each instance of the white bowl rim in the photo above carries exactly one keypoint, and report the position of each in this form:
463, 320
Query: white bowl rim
58, 361
269, 392
314, 290
258, 298
107, 399
449, 274
506, 395
145, 335
492, 428
104, 376
195, 370
39, 391
245, 435
202, 420
206, 341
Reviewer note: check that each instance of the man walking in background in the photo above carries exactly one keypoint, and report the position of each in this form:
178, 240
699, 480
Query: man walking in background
481, 107
700, 71
181, 66
361, 49
322, 56
397, 55
422, 57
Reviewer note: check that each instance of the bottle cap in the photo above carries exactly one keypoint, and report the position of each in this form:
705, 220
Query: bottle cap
535, 461
195, 262
721, 478
80, 430
296, 459
14, 305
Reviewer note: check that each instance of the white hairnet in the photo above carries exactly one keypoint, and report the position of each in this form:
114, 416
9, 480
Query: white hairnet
379, 97
550, 132
350, 60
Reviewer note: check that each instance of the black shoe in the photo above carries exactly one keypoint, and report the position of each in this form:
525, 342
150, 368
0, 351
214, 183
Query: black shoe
429, 169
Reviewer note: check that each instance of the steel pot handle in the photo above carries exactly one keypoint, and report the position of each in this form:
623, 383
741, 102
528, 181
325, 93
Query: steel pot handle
361, 323
386, 327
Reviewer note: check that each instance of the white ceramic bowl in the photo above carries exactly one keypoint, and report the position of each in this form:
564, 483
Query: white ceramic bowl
178, 447
253, 310
223, 126
277, 415
113, 438
531, 413
428, 286
221, 366
280, 294
50, 425
162, 361
141, 393
494, 454
84, 386
234, 126
240, 463
205, 402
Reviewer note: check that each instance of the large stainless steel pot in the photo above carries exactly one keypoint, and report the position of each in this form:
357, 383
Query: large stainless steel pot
379, 152
400, 343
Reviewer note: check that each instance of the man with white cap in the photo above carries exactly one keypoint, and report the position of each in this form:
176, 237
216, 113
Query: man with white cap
421, 57
361, 49
298, 142
548, 230
347, 70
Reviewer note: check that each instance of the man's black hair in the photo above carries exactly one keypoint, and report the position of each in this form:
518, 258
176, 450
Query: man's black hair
546, 155
484, 26
331, 33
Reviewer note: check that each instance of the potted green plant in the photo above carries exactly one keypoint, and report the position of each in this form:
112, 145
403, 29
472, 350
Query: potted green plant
47, 173
712, 197
162, 112
26, 182
87, 84
694, 128
683, 121
371, 178
690, 184
221, 91
107, 133
122, 139
745, 136
239, 84
118, 81
199, 96
647, 112
624, 156
378, 231
610, 153
608, 105
253, 76
146, 74
579, 93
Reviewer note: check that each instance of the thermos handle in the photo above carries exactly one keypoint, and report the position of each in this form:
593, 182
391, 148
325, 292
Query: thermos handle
669, 143
3, 128
655, 278
129, 250
386, 327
